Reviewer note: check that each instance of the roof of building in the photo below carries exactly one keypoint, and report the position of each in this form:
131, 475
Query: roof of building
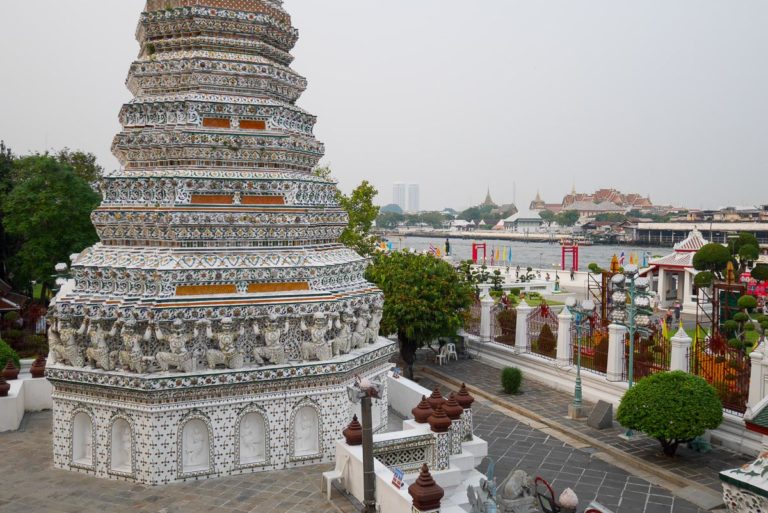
589, 206
718, 227
683, 251
525, 215
488, 200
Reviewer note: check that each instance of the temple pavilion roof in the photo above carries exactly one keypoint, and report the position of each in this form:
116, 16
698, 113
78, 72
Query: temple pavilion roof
683, 252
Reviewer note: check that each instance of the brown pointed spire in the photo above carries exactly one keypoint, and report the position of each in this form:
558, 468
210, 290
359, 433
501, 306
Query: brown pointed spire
426, 493
436, 398
10, 371
452, 408
354, 432
464, 399
422, 411
439, 420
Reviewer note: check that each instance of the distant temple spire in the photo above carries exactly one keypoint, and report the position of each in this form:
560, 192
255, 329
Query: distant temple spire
488, 200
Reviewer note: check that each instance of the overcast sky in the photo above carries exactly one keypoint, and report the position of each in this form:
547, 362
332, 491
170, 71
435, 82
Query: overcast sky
666, 98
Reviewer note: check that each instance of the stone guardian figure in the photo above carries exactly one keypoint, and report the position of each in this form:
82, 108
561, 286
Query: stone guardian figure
98, 354
272, 350
228, 354
317, 347
178, 356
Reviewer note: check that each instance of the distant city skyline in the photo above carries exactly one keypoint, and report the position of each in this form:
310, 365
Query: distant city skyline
662, 98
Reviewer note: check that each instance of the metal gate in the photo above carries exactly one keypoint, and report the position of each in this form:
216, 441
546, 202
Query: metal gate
594, 346
725, 368
542, 331
503, 324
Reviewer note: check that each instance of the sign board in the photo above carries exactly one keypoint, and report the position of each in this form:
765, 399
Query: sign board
397, 478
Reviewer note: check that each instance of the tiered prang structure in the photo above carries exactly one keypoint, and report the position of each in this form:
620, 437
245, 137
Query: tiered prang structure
215, 327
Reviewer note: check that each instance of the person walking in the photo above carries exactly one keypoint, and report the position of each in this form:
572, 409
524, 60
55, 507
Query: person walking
678, 308
573, 274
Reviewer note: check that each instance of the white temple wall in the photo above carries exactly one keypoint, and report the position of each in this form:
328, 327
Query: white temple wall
160, 453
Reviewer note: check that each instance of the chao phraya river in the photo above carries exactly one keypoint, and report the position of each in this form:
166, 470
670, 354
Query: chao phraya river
540, 255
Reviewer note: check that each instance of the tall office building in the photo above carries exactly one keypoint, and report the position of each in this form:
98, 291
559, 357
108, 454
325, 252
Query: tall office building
400, 195
413, 198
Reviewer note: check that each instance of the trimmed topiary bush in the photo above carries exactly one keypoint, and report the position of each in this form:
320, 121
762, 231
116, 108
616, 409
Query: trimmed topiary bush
672, 407
511, 379
547, 341
6, 353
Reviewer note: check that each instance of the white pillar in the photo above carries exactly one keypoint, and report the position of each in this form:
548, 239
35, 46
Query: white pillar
616, 358
687, 289
681, 346
757, 376
564, 321
486, 302
522, 340
662, 288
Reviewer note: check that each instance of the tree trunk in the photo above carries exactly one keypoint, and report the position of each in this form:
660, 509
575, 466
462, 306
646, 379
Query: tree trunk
407, 353
669, 447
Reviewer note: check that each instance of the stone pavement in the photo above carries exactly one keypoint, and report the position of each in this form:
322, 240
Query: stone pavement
29, 483
516, 444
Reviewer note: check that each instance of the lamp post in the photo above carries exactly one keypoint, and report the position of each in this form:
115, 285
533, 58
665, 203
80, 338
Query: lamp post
581, 313
363, 391
631, 308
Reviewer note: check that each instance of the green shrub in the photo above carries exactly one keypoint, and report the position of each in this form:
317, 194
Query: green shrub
507, 320
514, 291
672, 407
7, 353
511, 379
747, 302
11, 317
547, 340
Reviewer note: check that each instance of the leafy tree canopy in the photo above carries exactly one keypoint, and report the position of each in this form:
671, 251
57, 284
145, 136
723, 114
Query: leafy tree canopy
49, 211
611, 217
548, 216
362, 213
391, 209
83, 164
712, 257
673, 407
389, 220
425, 298
567, 218
760, 272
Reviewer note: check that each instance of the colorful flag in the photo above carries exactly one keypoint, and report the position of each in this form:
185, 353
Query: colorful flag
509, 254
621, 259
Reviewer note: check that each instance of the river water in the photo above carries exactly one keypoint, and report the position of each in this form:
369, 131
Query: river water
541, 255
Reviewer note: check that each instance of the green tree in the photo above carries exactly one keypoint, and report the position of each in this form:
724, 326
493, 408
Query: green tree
672, 407
49, 211
760, 272
83, 164
362, 213
8, 244
713, 258
567, 218
744, 249
391, 209
389, 220
548, 216
611, 217
425, 298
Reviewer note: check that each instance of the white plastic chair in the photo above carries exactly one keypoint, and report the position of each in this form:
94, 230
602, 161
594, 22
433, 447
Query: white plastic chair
332, 475
452, 352
442, 356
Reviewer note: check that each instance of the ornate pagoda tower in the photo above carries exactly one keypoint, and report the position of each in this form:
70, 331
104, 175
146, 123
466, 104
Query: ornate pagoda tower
215, 327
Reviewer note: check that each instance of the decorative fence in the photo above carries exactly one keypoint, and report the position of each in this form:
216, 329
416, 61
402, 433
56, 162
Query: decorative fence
594, 346
652, 354
725, 368
503, 324
542, 331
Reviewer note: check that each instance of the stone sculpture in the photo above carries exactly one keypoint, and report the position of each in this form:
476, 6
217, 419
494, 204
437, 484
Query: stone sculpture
227, 354
67, 350
97, 354
360, 335
317, 347
517, 493
178, 356
375, 324
342, 344
272, 350
130, 357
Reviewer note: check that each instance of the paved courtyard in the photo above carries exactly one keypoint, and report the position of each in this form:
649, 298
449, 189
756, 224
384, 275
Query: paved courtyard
30, 484
516, 445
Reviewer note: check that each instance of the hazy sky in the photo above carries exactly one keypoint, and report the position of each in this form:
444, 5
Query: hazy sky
659, 97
